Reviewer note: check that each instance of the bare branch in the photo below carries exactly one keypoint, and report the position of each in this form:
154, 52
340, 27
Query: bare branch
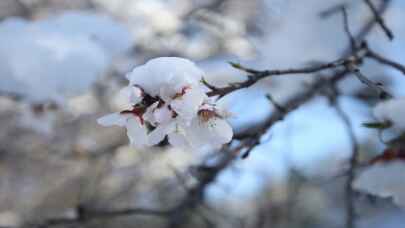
352, 67
379, 19
256, 75
366, 29
333, 10
383, 94
346, 27
383, 60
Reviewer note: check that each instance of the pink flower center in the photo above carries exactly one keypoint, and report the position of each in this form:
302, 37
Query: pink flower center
136, 111
182, 92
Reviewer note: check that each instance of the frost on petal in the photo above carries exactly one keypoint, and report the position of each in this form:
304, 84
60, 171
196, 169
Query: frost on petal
215, 132
186, 105
114, 119
136, 132
393, 111
384, 179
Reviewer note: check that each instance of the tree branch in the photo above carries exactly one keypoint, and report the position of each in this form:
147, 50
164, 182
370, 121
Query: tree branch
353, 161
383, 60
256, 75
379, 19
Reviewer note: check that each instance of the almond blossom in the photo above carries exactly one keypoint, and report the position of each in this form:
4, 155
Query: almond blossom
167, 99
385, 176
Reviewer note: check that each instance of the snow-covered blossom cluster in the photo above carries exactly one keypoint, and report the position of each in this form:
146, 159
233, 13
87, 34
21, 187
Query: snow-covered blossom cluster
167, 100
58, 57
385, 176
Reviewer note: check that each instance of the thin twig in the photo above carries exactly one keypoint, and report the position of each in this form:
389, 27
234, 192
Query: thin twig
333, 10
352, 67
277, 105
259, 75
382, 93
366, 29
379, 19
383, 60
346, 27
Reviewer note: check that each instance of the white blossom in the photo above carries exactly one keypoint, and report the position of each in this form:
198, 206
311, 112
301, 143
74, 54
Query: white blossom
187, 105
113, 119
168, 99
215, 131
385, 177
136, 129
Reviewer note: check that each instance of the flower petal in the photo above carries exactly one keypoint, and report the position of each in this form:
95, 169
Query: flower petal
159, 133
215, 131
116, 119
177, 139
132, 94
137, 133
187, 105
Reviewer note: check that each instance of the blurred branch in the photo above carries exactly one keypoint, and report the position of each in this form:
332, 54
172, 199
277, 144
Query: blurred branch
180, 214
379, 19
382, 94
352, 67
11, 95
27, 12
353, 161
321, 83
256, 75
211, 6
352, 40
350, 58
366, 29
385, 61
333, 10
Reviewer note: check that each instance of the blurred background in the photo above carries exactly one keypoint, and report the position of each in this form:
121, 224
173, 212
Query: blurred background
62, 63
